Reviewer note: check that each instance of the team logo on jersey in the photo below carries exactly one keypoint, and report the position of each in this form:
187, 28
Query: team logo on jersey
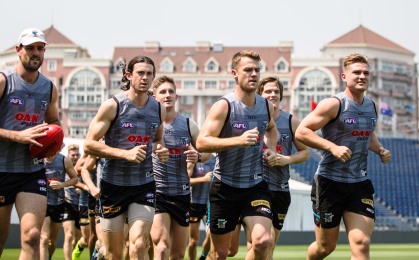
139, 139
127, 125
350, 121
265, 124
239, 125
184, 140
373, 121
154, 126
29, 118
16, 101
361, 135
284, 137
44, 105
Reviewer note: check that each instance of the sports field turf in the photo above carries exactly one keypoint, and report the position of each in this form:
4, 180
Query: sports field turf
283, 252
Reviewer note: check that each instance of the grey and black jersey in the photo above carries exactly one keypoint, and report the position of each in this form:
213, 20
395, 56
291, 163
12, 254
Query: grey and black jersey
84, 195
22, 106
55, 171
200, 192
242, 167
352, 128
172, 177
133, 126
278, 176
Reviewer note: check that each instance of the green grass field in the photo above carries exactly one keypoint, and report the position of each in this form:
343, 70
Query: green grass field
284, 252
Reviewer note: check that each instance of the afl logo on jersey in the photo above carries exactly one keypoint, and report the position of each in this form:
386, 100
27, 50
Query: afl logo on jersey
350, 121
240, 125
16, 101
127, 125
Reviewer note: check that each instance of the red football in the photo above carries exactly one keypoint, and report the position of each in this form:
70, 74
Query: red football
52, 142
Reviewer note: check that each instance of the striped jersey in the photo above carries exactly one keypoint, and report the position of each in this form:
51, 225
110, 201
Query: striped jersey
55, 171
278, 176
172, 177
200, 192
241, 167
132, 126
352, 128
22, 106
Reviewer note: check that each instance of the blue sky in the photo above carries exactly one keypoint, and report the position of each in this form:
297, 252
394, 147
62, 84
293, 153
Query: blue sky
99, 26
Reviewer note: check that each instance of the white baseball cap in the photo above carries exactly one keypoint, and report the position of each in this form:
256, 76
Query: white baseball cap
31, 35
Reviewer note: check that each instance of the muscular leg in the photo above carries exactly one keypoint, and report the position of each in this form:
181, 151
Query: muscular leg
179, 240
359, 229
31, 209
260, 231
69, 235
160, 234
325, 244
193, 240
5, 213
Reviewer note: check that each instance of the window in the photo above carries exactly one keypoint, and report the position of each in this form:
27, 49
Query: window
166, 66
212, 99
189, 84
189, 66
231, 84
282, 65
52, 65
210, 84
187, 100
85, 85
314, 80
211, 66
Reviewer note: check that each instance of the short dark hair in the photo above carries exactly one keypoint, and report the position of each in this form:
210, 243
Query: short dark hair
266, 80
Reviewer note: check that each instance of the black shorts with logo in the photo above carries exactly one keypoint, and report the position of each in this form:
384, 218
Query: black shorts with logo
197, 212
71, 213
228, 204
177, 207
330, 199
56, 212
84, 215
115, 199
281, 201
13, 183
92, 206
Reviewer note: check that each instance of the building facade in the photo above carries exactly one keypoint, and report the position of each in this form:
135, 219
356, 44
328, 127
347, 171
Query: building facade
202, 74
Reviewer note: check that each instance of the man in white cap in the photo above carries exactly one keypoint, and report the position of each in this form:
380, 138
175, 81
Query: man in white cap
28, 102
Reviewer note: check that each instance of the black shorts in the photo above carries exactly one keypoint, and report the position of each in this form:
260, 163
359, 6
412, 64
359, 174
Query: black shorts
228, 204
13, 183
71, 213
56, 212
197, 212
281, 201
115, 199
84, 216
92, 206
177, 207
330, 199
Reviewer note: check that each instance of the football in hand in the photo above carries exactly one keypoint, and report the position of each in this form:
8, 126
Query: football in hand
51, 143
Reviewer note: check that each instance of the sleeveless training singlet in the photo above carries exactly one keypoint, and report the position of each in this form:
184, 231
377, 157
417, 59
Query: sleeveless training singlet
242, 167
22, 106
278, 176
133, 126
172, 177
352, 128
